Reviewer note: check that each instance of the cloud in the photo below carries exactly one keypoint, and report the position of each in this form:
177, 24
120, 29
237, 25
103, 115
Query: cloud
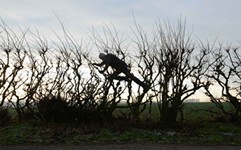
210, 19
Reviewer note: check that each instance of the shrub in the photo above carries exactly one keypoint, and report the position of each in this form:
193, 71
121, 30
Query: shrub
5, 117
53, 109
87, 112
57, 109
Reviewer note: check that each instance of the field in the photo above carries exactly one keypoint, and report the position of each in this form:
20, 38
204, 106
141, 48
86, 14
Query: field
199, 126
192, 112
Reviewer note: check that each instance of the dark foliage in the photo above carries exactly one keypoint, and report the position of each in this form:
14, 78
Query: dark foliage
57, 109
53, 109
5, 117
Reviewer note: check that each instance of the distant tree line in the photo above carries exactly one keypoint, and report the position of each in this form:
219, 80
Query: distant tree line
59, 83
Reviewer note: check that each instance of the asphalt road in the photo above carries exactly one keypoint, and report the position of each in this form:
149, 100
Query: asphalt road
118, 147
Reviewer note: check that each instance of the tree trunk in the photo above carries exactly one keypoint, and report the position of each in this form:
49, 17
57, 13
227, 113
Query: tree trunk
169, 113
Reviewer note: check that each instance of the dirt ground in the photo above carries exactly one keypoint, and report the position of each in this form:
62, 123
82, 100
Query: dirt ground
118, 147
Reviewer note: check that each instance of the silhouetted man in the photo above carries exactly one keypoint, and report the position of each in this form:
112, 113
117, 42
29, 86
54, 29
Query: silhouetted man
119, 66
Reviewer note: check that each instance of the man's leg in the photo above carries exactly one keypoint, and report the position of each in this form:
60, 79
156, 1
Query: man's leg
135, 79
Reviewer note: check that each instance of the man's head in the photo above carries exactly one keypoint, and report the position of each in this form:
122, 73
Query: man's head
102, 56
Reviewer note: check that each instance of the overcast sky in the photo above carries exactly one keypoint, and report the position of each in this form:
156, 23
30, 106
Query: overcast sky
207, 18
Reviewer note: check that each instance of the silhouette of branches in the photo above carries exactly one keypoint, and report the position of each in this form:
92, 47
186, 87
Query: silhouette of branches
226, 73
58, 81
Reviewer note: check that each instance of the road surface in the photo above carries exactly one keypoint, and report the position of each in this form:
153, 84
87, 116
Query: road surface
134, 146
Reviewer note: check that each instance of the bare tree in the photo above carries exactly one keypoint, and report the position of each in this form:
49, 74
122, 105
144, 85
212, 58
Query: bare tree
145, 64
226, 74
181, 68
13, 57
111, 41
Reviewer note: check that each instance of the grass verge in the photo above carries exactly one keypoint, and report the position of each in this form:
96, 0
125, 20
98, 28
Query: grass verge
199, 127
208, 133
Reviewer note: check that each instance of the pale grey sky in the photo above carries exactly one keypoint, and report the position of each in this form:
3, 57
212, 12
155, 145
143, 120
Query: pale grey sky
207, 18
